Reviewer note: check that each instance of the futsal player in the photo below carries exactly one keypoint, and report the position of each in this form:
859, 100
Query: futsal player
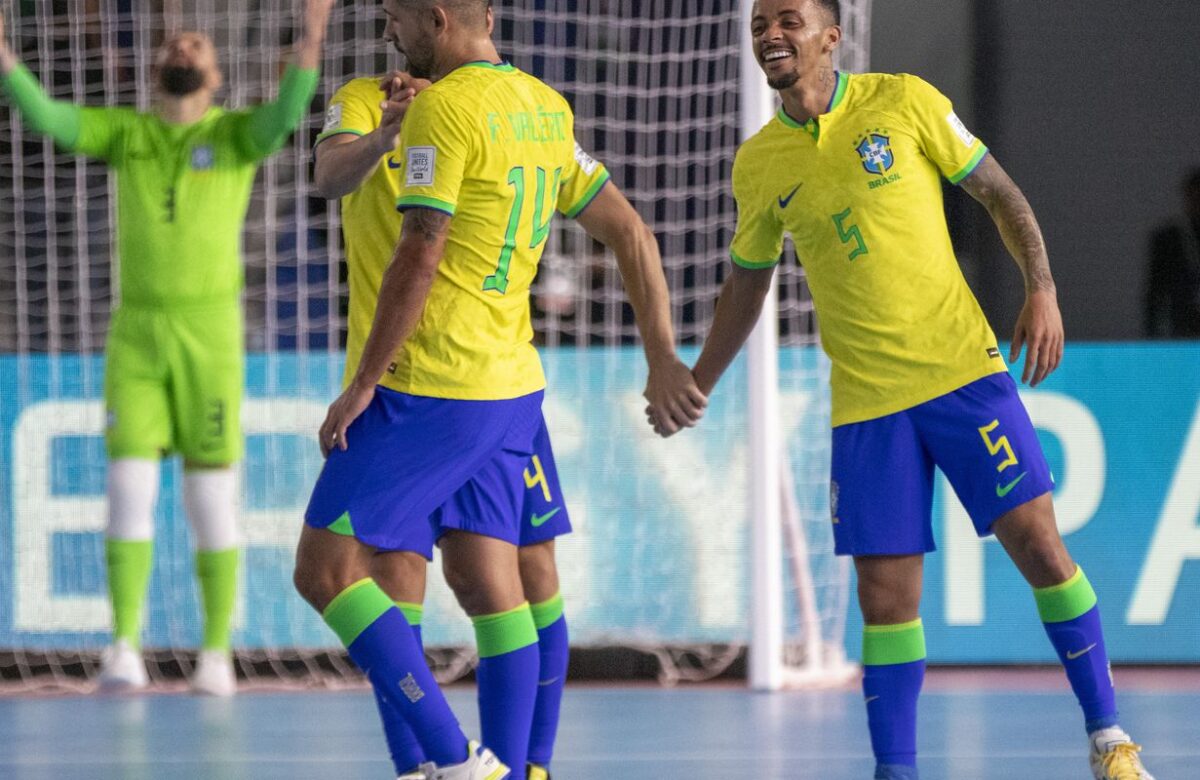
174, 356
486, 154
851, 167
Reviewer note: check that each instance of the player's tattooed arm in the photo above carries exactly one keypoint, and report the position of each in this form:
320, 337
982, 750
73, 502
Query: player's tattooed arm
1039, 326
991, 186
402, 295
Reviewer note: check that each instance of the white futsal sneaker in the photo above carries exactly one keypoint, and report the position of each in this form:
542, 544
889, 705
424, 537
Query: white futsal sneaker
481, 764
214, 675
1114, 756
122, 668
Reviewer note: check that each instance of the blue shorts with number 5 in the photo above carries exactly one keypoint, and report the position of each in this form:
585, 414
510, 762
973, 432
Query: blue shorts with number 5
980, 436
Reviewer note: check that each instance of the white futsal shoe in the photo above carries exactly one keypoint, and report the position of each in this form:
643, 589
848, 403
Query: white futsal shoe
214, 675
416, 774
1114, 756
122, 669
481, 764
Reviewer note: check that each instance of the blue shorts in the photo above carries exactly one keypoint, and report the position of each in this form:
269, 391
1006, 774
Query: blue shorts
980, 436
527, 481
409, 455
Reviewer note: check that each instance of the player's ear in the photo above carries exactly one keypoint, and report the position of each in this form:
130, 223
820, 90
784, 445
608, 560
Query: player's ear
833, 37
440, 18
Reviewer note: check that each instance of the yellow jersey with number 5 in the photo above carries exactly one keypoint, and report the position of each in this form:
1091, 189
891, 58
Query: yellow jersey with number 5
859, 190
495, 149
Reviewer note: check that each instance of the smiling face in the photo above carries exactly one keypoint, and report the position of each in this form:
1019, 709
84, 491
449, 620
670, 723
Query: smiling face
187, 62
791, 39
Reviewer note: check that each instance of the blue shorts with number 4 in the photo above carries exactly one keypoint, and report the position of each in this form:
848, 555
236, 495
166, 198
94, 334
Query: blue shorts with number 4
411, 458
531, 480
980, 436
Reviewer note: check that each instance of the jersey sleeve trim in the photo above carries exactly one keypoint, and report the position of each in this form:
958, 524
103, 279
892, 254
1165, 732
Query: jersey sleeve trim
753, 265
332, 133
421, 202
971, 165
588, 196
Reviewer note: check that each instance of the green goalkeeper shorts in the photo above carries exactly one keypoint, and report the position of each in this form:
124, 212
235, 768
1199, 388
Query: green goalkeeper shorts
173, 384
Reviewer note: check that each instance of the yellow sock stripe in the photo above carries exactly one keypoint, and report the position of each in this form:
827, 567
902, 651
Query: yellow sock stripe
1066, 600
546, 613
356, 608
504, 632
900, 643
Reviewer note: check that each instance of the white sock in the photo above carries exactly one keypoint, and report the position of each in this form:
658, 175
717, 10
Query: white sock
210, 499
132, 493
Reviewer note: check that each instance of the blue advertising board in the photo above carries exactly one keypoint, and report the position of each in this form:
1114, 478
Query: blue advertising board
661, 543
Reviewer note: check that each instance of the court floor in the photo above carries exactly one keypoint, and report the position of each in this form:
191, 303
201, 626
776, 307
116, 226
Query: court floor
975, 726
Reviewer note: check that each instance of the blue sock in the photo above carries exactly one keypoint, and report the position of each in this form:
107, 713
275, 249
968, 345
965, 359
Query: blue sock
381, 642
508, 682
402, 743
554, 650
893, 670
1072, 620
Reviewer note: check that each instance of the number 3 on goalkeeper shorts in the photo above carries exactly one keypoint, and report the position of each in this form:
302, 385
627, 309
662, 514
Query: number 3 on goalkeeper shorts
541, 227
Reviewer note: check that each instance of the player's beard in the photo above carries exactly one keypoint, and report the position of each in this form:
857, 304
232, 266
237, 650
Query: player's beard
784, 81
180, 80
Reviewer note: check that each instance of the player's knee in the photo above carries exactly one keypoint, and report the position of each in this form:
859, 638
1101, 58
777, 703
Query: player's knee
483, 591
401, 575
539, 573
319, 581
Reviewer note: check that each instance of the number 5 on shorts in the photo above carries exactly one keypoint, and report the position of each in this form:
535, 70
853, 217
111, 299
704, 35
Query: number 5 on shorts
998, 446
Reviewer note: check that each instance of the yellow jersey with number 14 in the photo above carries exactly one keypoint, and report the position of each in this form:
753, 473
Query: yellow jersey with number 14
494, 148
859, 190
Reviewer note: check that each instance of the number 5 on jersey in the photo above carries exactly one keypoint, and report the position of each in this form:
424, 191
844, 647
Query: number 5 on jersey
498, 281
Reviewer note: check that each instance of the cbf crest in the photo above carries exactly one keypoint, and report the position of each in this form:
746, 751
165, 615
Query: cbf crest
875, 150
203, 157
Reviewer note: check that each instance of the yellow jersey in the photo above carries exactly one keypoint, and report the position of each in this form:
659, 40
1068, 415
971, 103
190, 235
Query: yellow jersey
494, 148
370, 222
859, 190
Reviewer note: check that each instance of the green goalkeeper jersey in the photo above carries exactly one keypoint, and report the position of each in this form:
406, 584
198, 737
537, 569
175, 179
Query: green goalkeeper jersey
182, 190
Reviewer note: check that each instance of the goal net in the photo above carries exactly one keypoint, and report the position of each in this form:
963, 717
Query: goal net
660, 559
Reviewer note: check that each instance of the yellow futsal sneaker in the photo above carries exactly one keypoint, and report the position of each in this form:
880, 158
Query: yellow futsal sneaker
415, 774
535, 772
1114, 756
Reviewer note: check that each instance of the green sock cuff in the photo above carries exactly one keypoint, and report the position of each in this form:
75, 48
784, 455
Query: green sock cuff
901, 643
412, 612
546, 613
354, 609
504, 632
124, 550
1067, 600
209, 562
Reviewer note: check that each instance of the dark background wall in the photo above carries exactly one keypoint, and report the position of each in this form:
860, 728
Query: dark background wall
1092, 107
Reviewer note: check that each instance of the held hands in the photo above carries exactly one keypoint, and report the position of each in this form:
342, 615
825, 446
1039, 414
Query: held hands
399, 90
1040, 331
675, 401
342, 412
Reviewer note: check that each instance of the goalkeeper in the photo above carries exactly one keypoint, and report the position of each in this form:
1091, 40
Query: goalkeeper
173, 361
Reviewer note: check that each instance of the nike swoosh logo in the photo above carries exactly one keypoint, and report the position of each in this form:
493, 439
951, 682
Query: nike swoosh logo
783, 202
1072, 656
391, 162
1004, 490
537, 520
551, 681
870, 699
